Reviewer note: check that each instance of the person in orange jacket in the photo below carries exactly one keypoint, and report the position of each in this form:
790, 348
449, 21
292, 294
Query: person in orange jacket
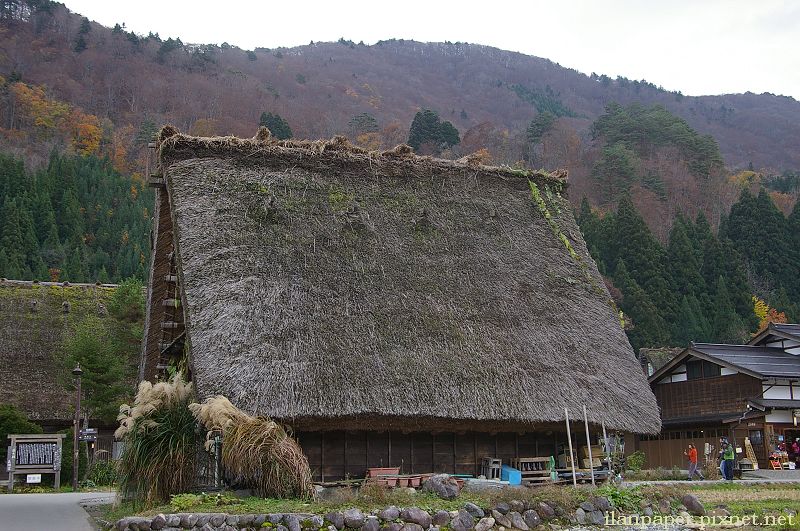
691, 453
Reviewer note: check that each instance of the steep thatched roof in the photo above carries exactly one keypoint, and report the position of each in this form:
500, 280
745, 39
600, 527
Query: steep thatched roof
328, 286
34, 320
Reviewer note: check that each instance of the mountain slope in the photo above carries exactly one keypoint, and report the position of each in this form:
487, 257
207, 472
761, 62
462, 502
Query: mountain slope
318, 88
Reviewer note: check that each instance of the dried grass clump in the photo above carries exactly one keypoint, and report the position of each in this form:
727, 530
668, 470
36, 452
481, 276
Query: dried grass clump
161, 444
256, 451
150, 398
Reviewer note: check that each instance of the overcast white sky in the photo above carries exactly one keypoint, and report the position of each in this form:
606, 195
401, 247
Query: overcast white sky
696, 46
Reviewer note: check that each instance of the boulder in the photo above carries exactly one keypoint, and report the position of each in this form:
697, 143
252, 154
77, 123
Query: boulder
588, 506
531, 518
441, 518
394, 526
500, 519
414, 515
517, 522
258, 520
596, 518
664, 506
372, 524
463, 521
336, 519
411, 526
443, 485
693, 505
484, 524
159, 521
353, 518
313, 520
474, 510
602, 503
202, 519
580, 516
274, 518
292, 523
218, 519
647, 511
390, 513
545, 511
719, 512
516, 505
502, 508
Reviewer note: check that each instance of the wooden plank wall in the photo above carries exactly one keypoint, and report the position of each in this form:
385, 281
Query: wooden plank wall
335, 455
706, 396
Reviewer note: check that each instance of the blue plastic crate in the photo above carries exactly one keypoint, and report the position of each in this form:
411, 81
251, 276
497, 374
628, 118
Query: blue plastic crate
512, 475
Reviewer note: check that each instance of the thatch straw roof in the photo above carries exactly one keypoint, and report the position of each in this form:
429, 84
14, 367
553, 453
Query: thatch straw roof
331, 287
35, 318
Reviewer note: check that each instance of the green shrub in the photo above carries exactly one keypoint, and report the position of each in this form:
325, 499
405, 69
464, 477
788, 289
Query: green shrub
184, 502
103, 472
635, 461
13, 420
624, 499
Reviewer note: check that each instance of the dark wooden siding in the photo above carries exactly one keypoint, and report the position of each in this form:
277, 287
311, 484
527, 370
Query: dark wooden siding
158, 287
334, 455
706, 397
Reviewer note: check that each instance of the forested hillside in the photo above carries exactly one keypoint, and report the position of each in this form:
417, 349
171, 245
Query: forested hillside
77, 219
689, 203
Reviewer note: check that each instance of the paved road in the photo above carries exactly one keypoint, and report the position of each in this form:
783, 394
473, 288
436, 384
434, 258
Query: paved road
45, 512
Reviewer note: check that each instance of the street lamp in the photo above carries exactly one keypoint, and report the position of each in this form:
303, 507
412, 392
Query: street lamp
77, 371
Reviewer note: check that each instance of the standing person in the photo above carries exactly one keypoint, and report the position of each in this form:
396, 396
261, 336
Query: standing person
728, 456
691, 453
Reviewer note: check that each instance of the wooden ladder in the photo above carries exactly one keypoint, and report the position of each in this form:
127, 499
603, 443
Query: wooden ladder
751, 454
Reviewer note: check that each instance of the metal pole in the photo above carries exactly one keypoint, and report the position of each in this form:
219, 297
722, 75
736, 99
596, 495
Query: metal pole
571, 455
588, 443
75, 453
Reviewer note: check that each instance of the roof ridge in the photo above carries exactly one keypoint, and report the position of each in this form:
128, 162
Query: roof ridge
174, 146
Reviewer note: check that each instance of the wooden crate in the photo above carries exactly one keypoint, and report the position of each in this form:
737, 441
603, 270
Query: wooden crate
532, 469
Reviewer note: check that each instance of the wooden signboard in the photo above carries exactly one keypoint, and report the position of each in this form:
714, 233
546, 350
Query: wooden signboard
34, 454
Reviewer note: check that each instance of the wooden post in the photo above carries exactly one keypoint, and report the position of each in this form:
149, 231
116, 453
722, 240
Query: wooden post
75, 439
606, 450
588, 443
571, 455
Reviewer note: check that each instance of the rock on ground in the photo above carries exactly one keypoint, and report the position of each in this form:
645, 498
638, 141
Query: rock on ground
443, 485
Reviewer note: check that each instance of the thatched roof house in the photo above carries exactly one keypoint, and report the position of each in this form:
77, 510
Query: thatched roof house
338, 289
35, 319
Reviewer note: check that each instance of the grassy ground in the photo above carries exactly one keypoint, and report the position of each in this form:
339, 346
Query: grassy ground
740, 499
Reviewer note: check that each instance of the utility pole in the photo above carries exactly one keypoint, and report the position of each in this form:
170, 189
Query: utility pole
77, 371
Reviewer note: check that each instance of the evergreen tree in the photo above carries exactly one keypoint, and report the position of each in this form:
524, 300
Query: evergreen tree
277, 126
539, 126
726, 325
691, 323
683, 262
648, 327
634, 244
428, 130
616, 171
362, 123
760, 232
